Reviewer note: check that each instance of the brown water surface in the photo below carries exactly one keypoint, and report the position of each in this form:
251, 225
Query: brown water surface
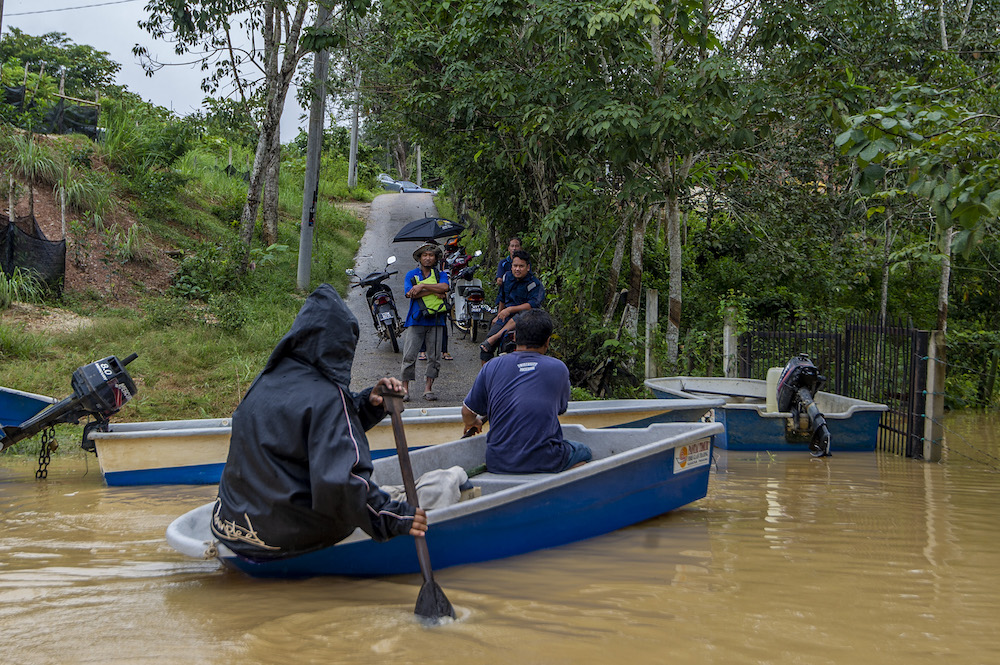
858, 558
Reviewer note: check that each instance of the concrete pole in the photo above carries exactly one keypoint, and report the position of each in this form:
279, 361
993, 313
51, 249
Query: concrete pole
314, 146
352, 169
729, 344
934, 404
419, 178
652, 318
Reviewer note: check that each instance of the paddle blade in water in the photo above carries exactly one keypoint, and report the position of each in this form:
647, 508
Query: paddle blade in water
432, 603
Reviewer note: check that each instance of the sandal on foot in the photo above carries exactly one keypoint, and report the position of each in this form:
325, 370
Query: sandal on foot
447, 356
430, 397
486, 347
422, 356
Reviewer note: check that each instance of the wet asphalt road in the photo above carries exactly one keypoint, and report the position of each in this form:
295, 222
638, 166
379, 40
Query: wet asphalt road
373, 360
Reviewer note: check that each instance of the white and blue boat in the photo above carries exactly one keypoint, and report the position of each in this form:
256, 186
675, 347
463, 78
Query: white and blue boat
753, 423
636, 474
192, 452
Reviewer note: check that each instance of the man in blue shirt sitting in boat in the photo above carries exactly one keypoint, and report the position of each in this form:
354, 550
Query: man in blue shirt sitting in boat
519, 292
522, 394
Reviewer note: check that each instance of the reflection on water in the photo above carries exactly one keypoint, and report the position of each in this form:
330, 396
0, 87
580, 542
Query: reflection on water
856, 558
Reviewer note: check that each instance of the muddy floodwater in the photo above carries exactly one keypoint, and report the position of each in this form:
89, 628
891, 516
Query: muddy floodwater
858, 558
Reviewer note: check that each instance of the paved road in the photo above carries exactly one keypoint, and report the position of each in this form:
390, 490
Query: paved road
373, 360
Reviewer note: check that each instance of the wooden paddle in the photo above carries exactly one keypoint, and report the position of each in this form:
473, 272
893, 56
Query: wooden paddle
431, 602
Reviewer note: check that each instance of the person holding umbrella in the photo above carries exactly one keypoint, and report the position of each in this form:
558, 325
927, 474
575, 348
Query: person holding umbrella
427, 288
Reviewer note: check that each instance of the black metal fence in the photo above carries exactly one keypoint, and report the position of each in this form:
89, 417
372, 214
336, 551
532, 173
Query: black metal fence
862, 358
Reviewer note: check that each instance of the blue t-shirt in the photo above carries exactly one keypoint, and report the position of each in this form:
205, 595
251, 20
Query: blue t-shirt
516, 291
522, 395
413, 317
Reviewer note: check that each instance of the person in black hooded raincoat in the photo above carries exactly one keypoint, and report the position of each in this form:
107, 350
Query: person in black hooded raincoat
298, 476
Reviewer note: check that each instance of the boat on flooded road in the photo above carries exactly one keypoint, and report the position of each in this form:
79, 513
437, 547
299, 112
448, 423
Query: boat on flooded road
194, 451
635, 474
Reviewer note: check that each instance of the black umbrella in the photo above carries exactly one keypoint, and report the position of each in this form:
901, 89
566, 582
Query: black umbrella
428, 229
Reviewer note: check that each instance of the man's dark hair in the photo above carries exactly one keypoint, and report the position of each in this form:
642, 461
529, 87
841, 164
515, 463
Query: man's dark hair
517, 238
532, 328
521, 254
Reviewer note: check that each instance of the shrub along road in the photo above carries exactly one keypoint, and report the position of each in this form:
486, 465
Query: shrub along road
373, 360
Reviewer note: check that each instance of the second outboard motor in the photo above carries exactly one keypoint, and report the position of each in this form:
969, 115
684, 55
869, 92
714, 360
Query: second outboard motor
100, 389
797, 386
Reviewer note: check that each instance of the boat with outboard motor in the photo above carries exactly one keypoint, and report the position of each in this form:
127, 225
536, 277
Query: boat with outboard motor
754, 420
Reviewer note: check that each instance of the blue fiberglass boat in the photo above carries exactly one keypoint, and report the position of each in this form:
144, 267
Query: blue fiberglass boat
16, 406
636, 474
753, 422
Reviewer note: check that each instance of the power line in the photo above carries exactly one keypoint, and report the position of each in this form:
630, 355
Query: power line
68, 9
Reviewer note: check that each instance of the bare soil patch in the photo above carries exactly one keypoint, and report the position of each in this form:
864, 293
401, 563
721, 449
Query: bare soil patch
38, 318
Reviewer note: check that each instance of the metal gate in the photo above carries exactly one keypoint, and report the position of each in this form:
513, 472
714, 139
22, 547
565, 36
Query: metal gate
885, 363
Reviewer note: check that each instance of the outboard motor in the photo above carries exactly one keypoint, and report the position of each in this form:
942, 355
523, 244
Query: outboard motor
797, 386
100, 389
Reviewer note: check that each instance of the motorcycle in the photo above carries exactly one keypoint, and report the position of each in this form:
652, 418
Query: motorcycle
469, 306
381, 304
454, 259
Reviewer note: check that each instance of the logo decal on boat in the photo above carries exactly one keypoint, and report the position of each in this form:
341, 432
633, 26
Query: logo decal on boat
692, 455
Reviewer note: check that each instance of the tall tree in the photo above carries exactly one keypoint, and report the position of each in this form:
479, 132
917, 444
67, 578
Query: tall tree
279, 27
87, 69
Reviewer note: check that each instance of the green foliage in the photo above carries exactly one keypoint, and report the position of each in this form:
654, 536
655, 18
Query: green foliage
227, 121
85, 193
15, 343
20, 286
973, 361
143, 140
229, 311
159, 313
87, 69
33, 161
132, 245
210, 269
938, 150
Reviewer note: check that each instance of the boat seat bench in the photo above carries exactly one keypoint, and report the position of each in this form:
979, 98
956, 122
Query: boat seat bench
494, 482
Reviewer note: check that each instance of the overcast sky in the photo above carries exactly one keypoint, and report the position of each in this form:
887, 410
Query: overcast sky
111, 26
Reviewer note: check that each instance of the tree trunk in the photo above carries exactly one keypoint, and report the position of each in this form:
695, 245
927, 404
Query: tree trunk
674, 291
399, 157
944, 32
635, 269
271, 191
611, 294
279, 72
884, 302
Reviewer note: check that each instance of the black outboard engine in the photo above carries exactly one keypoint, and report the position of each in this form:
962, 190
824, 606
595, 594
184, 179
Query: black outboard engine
797, 386
100, 389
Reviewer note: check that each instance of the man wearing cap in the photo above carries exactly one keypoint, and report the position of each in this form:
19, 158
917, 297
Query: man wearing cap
427, 289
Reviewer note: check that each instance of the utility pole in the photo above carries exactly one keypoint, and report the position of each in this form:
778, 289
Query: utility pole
352, 168
314, 146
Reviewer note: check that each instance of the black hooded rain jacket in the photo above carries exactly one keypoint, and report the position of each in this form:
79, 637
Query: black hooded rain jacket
298, 476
